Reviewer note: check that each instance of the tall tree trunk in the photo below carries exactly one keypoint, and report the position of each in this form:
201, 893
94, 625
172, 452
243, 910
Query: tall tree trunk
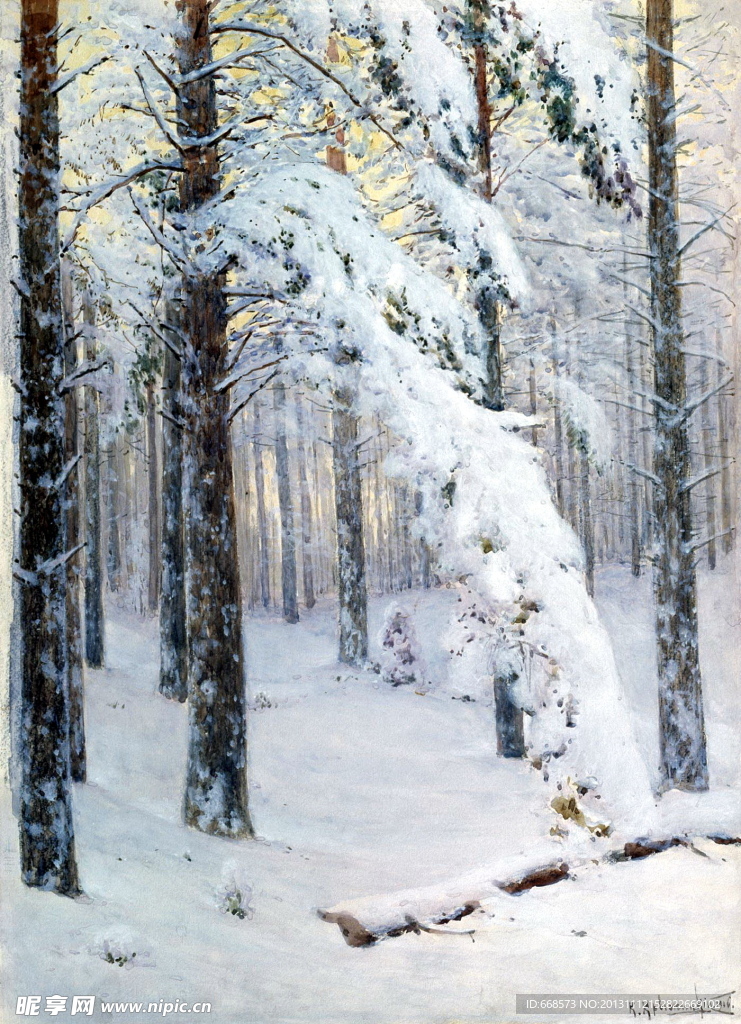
173, 635
285, 503
348, 491
351, 583
487, 303
262, 518
216, 778
74, 568
708, 467
533, 389
634, 485
306, 531
682, 725
153, 510
47, 844
94, 620
113, 506
585, 519
558, 443
726, 467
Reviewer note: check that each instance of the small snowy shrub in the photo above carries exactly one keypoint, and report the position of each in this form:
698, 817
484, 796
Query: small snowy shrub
119, 948
401, 658
261, 702
234, 894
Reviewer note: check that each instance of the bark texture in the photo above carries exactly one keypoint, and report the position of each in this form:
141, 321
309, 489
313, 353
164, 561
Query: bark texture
47, 845
153, 510
216, 779
72, 456
173, 635
94, 616
262, 517
285, 502
351, 583
682, 725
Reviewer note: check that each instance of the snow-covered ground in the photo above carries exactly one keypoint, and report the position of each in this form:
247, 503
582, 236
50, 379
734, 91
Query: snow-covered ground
358, 788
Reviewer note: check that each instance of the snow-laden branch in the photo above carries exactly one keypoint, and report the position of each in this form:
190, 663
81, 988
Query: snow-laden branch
695, 404
706, 227
240, 405
64, 80
178, 258
105, 191
84, 369
250, 29
688, 485
157, 114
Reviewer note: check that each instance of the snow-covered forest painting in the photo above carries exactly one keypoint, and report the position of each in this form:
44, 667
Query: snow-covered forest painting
369, 606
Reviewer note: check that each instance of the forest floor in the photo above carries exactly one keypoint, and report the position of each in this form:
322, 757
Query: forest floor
359, 788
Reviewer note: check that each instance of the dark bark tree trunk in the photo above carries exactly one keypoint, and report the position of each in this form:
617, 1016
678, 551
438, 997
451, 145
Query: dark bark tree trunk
74, 565
634, 485
726, 464
262, 518
682, 725
153, 510
285, 502
708, 467
533, 389
173, 635
47, 844
216, 779
113, 506
306, 530
351, 583
94, 620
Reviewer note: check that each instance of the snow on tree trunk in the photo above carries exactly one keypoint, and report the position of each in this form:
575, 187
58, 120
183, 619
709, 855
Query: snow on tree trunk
74, 567
173, 636
351, 583
47, 844
216, 778
262, 518
94, 621
153, 508
306, 532
285, 503
489, 308
682, 725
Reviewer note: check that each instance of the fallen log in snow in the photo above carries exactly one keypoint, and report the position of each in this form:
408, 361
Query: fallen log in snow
366, 921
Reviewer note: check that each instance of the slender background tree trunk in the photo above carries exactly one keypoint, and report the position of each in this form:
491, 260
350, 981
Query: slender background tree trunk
153, 479
94, 620
285, 501
306, 539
